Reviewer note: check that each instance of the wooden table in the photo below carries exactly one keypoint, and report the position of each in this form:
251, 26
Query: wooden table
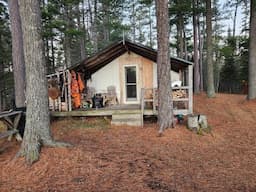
11, 119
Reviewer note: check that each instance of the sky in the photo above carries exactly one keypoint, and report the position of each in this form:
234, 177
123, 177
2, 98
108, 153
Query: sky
229, 23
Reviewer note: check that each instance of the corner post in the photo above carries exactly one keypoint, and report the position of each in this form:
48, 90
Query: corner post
190, 89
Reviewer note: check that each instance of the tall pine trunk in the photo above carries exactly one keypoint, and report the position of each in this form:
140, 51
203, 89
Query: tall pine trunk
150, 28
210, 76
133, 23
1, 82
252, 53
180, 28
52, 54
81, 29
165, 112
37, 128
67, 36
234, 18
196, 54
106, 22
17, 53
201, 48
94, 27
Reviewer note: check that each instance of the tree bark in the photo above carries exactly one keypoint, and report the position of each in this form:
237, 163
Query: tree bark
67, 37
201, 30
165, 109
234, 18
210, 77
81, 36
150, 27
81, 28
17, 53
37, 128
52, 54
196, 54
105, 20
133, 22
180, 28
252, 53
1, 82
94, 27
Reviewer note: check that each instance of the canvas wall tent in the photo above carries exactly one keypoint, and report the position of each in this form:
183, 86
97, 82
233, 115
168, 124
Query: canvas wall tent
130, 68
94, 63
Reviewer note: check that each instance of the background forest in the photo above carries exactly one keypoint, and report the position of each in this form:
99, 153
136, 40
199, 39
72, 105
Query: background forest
76, 29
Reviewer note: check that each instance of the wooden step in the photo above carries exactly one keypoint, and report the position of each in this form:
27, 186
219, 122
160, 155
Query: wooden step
131, 119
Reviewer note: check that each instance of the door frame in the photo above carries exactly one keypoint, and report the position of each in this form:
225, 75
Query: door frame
137, 100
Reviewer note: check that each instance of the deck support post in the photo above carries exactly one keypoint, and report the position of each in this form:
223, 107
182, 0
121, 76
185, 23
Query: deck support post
142, 105
190, 89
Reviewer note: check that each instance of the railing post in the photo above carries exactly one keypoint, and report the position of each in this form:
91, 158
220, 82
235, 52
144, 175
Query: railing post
69, 90
190, 89
142, 105
154, 100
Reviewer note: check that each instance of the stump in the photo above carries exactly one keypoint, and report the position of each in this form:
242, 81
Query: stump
202, 121
193, 122
197, 122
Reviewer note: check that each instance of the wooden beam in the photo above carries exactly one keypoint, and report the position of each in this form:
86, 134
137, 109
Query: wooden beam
93, 113
8, 133
142, 105
190, 90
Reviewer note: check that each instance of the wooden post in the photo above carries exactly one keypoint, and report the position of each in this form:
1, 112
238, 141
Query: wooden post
190, 89
142, 105
65, 79
154, 100
59, 99
69, 91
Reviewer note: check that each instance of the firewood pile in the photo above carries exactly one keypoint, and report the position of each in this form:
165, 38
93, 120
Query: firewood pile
179, 94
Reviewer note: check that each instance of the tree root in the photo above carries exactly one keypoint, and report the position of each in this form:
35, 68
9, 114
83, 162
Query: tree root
31, 153
52, 143
32, 156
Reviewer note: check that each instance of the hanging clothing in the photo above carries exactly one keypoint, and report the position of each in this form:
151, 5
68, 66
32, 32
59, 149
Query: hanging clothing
77, 86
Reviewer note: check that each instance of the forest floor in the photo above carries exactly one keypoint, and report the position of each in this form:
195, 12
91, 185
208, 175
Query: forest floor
111, 159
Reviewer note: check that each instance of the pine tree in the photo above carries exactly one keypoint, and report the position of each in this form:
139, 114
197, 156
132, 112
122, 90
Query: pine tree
165, 109
197, 75
252, 52
37, 128
181, 12
210, 76
17, 54
6, 77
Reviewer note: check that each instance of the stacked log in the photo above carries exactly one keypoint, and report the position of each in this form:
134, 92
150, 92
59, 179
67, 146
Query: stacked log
179, 94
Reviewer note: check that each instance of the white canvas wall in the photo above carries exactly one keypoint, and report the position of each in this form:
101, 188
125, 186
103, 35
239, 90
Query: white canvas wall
109, 75
106, 76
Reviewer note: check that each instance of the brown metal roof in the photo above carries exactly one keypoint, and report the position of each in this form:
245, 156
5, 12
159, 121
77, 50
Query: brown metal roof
102, 58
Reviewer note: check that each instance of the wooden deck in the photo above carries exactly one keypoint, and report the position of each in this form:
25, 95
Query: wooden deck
108, 112
119, 116
99, 112
134, 114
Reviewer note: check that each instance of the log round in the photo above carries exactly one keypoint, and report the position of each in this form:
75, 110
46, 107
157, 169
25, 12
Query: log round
193, 121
